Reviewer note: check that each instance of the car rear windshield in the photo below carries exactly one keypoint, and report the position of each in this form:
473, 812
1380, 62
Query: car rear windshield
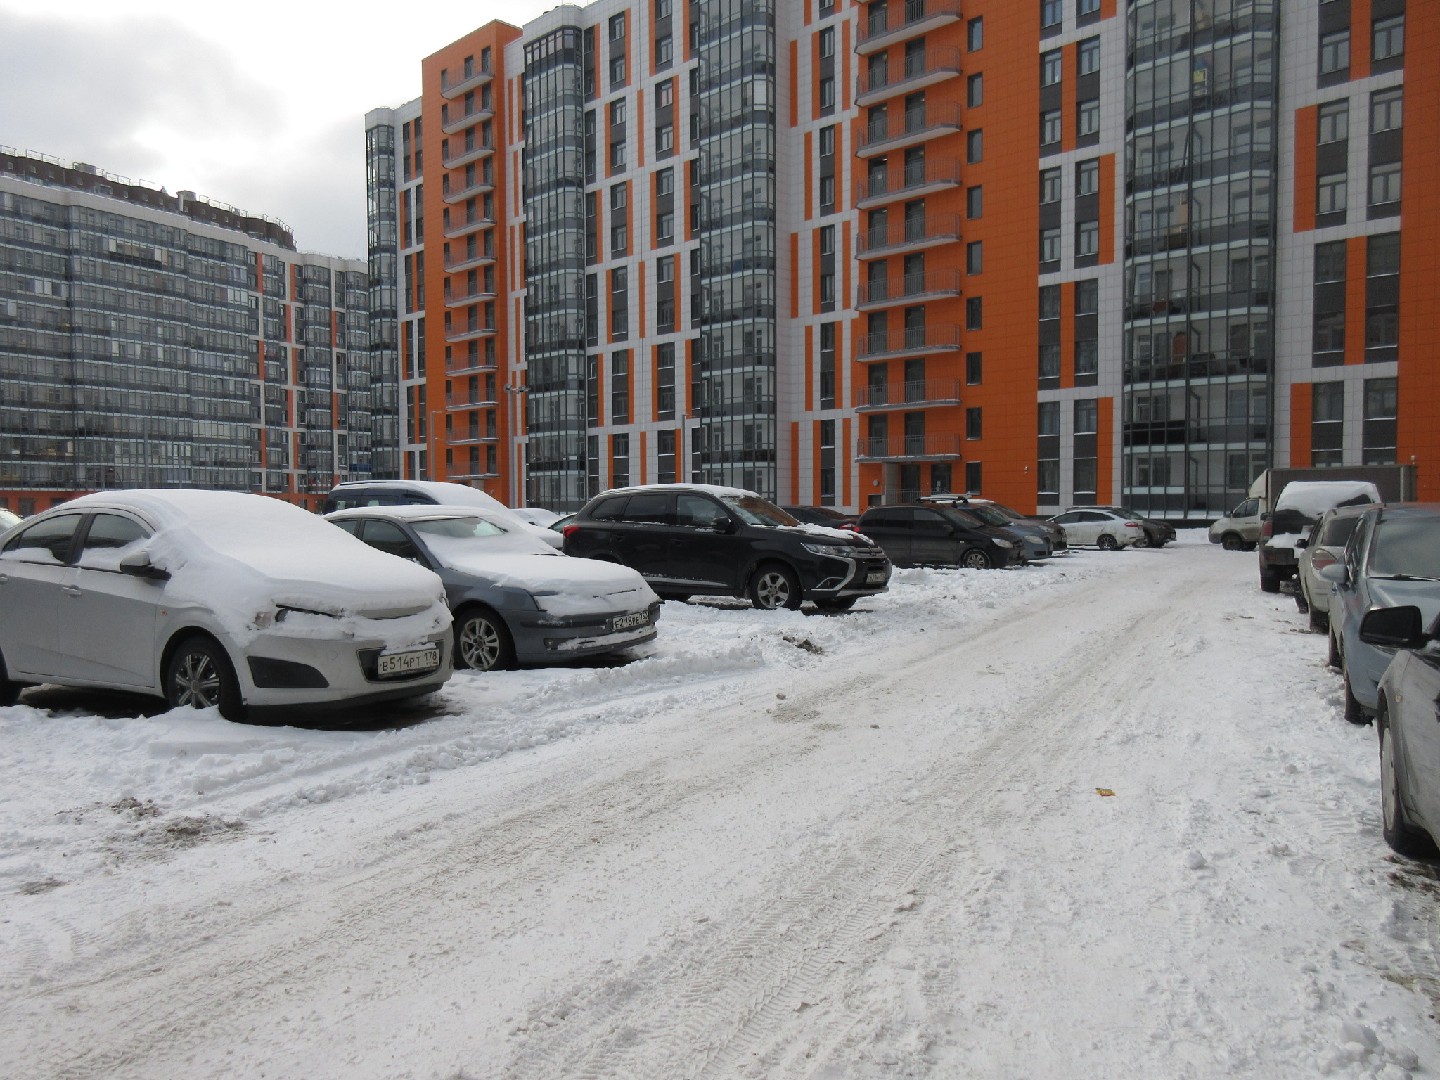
754, 510
1407, 547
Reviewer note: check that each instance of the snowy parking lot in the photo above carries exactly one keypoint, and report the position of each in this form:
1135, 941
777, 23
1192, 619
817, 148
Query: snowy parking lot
1095, 817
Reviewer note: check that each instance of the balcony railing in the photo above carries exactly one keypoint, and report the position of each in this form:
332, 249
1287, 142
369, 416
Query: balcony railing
919, 393
469, 261
478, 77
916, 178
464, 228
464, 155
478, 186
908, 448
915, 233
913, 341
911, 288
898, 21
909, 127
464, 120
469, 333
934, 65
461, 299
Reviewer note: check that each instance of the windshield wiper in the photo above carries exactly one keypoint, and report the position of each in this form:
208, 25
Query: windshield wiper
1403, 577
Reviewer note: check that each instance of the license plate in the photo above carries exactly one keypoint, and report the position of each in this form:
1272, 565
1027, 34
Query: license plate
875, 577
629, 622
392, 665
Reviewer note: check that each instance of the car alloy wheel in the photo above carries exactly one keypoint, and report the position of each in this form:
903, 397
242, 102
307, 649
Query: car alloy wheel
482, 643
199, 676
775, 586
1107, 542
975, 559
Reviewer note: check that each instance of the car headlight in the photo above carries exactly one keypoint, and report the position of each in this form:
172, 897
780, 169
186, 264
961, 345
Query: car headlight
263, 620
1004, 545
833, 551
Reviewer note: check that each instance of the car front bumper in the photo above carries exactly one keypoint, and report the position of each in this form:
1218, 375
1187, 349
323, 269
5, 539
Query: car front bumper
293, 669
540, 640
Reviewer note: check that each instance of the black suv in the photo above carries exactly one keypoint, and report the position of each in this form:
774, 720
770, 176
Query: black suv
940, 536
694, 539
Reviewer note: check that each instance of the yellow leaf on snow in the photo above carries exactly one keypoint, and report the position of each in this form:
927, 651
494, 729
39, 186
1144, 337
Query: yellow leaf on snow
1104, 791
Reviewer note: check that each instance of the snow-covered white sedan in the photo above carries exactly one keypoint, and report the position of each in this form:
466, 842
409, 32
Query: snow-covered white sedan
214, 599
515, 599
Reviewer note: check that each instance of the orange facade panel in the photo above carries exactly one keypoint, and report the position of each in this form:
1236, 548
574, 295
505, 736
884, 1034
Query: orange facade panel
1301, 412
1307, 135
1355, 300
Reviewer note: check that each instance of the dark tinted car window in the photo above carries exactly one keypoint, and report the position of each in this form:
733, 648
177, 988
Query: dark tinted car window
965, 518
891, 518
754, 510
931, 522
113, 531
1337, 531
390, 538
654, 507
987, 514
609, 509
698, 511
53, 535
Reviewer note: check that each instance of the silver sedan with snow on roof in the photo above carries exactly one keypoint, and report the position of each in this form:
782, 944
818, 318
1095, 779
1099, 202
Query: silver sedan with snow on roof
213, 599
516, 600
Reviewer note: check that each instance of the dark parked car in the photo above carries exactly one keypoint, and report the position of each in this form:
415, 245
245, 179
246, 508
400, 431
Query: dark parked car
1408, 721
940, 536
688, 539
1156, 533
1392, 559
1039, 534
822, 515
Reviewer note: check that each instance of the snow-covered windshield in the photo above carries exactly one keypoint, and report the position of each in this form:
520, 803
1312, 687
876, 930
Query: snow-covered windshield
457, 527
754, 510
1407, 547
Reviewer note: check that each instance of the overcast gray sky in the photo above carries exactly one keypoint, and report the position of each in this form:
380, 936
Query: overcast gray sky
259, 104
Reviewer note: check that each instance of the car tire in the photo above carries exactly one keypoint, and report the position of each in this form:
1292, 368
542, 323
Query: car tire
199, 675
1250, 545
1232, 542
1333, 657
1107, 543
841, 603
1269, 582
1143, 542
775, 586
1319, 621
9, 691
1302, 604
1403, 837
482, 641
678, 597
1354, 711
975, 559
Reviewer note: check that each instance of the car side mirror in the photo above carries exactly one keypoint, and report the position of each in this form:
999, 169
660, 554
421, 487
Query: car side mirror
1301, 543
724, 525
137, 564
1333, 572
1395, 628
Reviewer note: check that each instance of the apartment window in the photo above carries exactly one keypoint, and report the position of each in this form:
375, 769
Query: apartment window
1378, 430
664, 138
620, 388
974, 257
975, 90
1048, 418
662, 9
665, 226
975, 201
1386, 110
1090, 56
827, 194
665, 94
827, 240
665, 269
1385, 184
1087, 297
1334, 122
1335, 52
1087, 177
827, 291
973, 424
619, 239
620, 461
1050, 245
974, 146
1049, 301
1087, 239
665, 182
827, 94
827, 141
665, 382
975, 34
1331, 194
617, 27
1087, 416
1088, 117
1330, 261
619, 304
1327, 423
1387, 38
1051, 65
974, 368
617, 71
827, 41
1329, 348
1087, 8
1050, 360
1052, 13
664, 51
617, 156
1049, 185
1050, 127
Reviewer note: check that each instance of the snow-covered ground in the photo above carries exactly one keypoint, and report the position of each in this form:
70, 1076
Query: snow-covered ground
1095, 818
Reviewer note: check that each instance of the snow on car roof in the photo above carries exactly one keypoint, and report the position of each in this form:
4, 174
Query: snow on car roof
709, 489
440, 490
1313, 497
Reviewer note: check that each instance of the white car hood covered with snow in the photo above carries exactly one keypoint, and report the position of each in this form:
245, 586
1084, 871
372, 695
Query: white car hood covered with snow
240, 555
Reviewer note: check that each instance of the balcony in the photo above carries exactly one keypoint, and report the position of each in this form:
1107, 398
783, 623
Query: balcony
478, 186
471, 333
465, 366
460, 300
467, 119
910, 289
909, 448
918, 394
913, 235
470, 261
910, 182
465, 228
477, 78
916, 126
884, 28
935, 64
914, 341
464, 156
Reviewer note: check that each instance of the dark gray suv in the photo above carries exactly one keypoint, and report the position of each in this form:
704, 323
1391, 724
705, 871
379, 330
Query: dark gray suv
689, 540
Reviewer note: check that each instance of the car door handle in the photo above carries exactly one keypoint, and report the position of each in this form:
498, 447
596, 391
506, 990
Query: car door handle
72, 591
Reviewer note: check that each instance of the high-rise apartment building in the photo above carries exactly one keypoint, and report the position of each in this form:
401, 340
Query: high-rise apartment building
157, 340
854, 251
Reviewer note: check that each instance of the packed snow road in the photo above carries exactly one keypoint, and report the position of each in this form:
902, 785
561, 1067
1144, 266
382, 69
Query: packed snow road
1096, 817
